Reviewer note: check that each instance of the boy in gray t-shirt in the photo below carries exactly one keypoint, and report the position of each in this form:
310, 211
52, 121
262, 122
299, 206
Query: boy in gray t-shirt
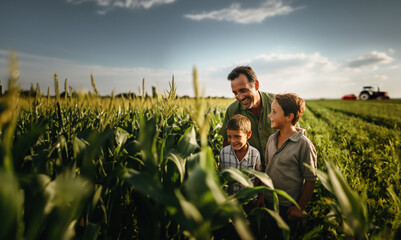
286, 152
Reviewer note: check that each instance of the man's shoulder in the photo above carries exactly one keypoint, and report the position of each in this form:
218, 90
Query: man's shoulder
233, 108
269, 97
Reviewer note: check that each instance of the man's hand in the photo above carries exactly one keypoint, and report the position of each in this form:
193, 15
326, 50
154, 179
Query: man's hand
261, 200
294, 213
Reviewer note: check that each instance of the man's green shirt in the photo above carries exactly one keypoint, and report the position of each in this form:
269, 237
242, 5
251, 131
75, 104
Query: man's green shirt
261, 130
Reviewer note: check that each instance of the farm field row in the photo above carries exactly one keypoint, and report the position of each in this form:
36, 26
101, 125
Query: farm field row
368, 154
386, 113
146, 168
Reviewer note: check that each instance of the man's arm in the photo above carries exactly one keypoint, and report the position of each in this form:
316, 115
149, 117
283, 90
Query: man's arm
258, 167
223, 131
306, 194
221, 161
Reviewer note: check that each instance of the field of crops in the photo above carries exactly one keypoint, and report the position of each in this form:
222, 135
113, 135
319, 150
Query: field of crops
363, 139
86, 167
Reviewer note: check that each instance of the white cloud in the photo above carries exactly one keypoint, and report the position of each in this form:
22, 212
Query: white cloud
108, 5
41, 69
235, 13
394, 67
381, 77
309, 75
370, 60
308, 61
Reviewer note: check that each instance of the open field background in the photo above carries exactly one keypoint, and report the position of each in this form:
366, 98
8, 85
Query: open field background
86, 167
117, 159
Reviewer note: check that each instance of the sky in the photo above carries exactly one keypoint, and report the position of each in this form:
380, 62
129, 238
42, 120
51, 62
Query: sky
315, 48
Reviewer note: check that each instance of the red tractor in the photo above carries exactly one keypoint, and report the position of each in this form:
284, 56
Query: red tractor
369, 92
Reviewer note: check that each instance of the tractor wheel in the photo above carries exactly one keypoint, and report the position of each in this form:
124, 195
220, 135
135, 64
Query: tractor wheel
379, 98
364, 96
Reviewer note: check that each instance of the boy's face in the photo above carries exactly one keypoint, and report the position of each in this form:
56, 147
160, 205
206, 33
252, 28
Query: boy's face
237, 138
277, 118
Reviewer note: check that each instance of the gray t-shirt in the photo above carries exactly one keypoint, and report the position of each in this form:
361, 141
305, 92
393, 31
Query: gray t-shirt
285, 166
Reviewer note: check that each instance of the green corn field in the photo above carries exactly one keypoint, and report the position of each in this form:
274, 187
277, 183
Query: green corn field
85, 167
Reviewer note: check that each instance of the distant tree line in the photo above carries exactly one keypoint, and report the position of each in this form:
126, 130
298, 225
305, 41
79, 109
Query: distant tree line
32, 92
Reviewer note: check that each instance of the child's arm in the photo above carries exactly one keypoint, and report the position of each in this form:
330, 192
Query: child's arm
308, 157
306, 194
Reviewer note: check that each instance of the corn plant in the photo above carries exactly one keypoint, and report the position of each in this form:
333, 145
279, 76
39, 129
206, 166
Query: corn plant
86, 167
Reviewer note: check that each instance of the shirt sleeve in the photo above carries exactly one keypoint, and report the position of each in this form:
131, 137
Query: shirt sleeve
309, 157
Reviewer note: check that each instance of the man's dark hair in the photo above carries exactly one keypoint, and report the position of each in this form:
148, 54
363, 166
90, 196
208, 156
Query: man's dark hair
246, 70
291, 103
239, 122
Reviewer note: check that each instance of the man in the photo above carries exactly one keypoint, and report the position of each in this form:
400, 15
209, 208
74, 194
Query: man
251, 103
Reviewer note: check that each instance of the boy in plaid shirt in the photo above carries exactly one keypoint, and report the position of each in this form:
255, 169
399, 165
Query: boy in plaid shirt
239, 154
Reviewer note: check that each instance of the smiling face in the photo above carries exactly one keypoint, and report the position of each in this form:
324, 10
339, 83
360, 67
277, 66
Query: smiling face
277, 118
237, 139
246, 92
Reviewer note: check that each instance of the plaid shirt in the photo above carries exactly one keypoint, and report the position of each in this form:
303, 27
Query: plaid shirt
251, 160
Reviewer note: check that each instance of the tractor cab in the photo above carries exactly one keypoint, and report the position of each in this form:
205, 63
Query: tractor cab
369, 92
368, 88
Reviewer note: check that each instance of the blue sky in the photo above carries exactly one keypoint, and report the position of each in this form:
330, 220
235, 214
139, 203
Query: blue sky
316, 48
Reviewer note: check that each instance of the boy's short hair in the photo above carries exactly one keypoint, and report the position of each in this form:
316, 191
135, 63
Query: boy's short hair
291, 103
239, 122
246, 70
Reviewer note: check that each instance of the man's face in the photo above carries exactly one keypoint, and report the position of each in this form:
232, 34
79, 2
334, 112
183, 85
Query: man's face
237, 139
245, 92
